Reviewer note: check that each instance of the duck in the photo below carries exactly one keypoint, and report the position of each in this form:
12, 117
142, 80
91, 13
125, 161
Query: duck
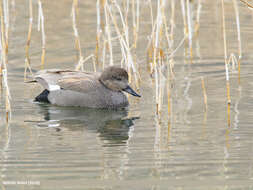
85, 89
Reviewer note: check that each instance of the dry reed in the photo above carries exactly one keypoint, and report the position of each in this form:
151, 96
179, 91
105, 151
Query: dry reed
108, 30
74, 11
184, 17
189, 24
4, 56
225, 52
197, 23
28, 42
99, 30
226, 62
204, 92
238, 38
41, 26
246, 3
124, 40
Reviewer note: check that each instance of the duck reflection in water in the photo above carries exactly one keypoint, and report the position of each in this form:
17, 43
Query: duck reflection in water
110, 125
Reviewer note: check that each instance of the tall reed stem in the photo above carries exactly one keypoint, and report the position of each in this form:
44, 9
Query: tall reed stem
226, 61
28, 42
41, 27
4, 57
238, 38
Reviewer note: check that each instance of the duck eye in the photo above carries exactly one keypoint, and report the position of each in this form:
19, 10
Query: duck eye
117, 78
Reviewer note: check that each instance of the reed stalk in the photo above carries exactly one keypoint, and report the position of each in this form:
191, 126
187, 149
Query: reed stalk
204, 92
226, 62
81, 62
171, 55
98, 5
161, 86
7, 96
104, 53
124, 56
159, 31
225, 52
74, 12
168, 99
4, 58
151, 50
137, 18
248, 4
136, 21
6, 22
155, 54
169, 133
28, 42
126, 10
167, 35
41, 27
108, 31
238, 38
76, 34
94, 63
172, 22
124, 22
124, 42
189, 24
150, 46
184, 17
232, 59
197, 23
229, 115
204, 125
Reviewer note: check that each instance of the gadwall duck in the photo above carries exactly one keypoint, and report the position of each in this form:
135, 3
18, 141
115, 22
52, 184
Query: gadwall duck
83, 89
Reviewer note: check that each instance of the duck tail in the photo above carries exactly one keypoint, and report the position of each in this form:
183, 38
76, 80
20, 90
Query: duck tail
31, 81
42, 97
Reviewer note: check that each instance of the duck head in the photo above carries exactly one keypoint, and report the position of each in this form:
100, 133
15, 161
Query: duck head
116, 79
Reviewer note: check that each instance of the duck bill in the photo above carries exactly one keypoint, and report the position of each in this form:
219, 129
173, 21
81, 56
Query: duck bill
129, 90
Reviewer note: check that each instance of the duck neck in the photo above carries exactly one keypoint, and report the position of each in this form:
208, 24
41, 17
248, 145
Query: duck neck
103, 83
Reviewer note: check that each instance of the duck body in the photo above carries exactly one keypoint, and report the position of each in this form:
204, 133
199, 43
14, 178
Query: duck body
84, 89
101, 97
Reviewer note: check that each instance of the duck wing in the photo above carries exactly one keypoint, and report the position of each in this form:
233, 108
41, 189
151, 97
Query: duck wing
79, 84
55, 79
49, 78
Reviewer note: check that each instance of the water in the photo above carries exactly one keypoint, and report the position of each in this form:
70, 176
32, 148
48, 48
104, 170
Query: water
54, 147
